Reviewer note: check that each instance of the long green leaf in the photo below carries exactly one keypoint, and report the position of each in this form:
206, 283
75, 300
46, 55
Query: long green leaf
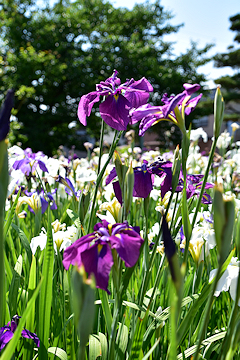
10, 348
24, 241
205, 342
138, 338
151, 350
122, 339
8, 268
58, 352
14, 287
106, 310
104, 345
94, 347
11, 214
184, 326
45, 302
31, 288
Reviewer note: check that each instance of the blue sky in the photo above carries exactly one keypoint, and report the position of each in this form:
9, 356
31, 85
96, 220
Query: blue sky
205, 21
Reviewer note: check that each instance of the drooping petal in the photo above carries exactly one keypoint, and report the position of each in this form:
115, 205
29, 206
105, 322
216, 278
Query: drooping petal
142, 183
42, 166
85, 106
72, 254
18, 164
191, 88
206, 199
137, 92
29, 335
148, 121
173, 103
117, 191
98, 260
5, 337
166, 186
115, 111
111, 176
128, 244
44, 203
191, 104
169, 244
144, 111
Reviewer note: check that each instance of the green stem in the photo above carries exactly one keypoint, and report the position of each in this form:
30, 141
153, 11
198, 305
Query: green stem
99, 178
207, 313
210, 159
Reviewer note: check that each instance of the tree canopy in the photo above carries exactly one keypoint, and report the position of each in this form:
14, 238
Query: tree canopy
231, 84
52, 56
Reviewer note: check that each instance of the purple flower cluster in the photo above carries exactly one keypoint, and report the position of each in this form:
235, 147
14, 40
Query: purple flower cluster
30, 162
126, 103
94, 251
119, 99
151, 115
7, 332
144, 177
194, 184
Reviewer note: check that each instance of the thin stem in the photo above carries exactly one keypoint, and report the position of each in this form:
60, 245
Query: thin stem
210, 159
99, 178
101, 147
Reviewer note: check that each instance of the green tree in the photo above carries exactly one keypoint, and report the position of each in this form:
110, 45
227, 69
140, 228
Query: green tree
54, 55
231, 84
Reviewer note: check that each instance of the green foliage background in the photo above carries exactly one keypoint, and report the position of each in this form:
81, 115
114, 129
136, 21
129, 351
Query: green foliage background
53, 55
231, 84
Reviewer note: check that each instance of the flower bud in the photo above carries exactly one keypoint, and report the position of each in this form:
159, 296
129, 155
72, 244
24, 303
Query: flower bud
171, 254
120, 168
218, 112
176, 169
129, 183
223, 216
83, 205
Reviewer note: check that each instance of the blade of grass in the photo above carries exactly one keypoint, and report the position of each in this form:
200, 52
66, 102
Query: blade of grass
45, 301
14, 287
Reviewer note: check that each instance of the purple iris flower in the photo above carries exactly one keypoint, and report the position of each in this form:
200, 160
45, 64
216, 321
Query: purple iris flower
45, 198
94, 250
7, 331
194, 185
30, 162
69, 188
151, 115
144, 177
119, 100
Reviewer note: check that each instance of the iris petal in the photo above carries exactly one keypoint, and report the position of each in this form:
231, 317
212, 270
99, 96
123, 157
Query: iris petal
115, 111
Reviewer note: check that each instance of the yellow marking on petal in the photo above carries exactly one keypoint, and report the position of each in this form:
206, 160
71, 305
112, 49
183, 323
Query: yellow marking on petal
116, 97
155, 122
99, 248
110, 229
